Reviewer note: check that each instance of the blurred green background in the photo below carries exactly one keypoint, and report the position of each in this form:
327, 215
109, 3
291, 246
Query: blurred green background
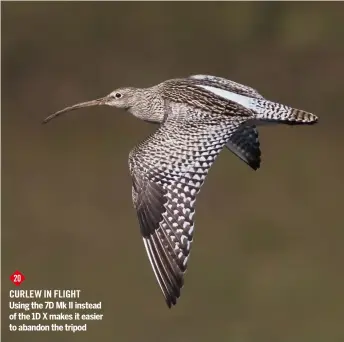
267, 262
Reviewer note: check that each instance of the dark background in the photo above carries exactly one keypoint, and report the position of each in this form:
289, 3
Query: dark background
267, 262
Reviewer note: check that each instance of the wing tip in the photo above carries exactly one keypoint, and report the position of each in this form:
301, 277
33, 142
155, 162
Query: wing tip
255, 164
171, 301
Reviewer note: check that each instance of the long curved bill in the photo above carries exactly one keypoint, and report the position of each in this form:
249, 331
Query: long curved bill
92, 103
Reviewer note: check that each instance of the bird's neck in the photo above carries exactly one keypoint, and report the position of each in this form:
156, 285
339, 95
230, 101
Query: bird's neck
148, 106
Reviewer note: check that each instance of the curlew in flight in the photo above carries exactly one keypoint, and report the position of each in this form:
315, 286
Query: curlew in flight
198, 116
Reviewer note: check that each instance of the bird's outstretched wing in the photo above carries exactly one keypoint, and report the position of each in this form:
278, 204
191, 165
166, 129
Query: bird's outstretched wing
244, 143
231, 86
168, 170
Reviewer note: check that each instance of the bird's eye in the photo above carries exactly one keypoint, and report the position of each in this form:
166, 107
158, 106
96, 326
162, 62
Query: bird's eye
118, 95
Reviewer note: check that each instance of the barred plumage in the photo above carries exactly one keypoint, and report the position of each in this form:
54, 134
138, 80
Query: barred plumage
199, 115
168, 170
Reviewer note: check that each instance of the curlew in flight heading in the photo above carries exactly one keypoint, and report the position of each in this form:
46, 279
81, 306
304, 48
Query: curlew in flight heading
198, 116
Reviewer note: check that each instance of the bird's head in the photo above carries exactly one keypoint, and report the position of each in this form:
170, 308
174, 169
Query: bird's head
120, 98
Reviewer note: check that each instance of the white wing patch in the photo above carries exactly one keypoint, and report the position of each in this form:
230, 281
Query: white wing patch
264, 109
244, 101
228, 85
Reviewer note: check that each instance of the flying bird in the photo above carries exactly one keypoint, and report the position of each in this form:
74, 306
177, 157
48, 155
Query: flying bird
198, 116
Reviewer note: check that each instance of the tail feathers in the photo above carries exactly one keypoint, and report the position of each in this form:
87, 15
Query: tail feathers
272, 111
298, 116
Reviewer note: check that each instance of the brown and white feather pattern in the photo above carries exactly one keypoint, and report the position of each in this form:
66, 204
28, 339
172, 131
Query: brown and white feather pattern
250, 99
199, 115
168, 170
223, 83
202, 114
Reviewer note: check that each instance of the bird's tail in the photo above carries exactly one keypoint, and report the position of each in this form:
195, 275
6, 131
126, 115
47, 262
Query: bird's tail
275, 112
